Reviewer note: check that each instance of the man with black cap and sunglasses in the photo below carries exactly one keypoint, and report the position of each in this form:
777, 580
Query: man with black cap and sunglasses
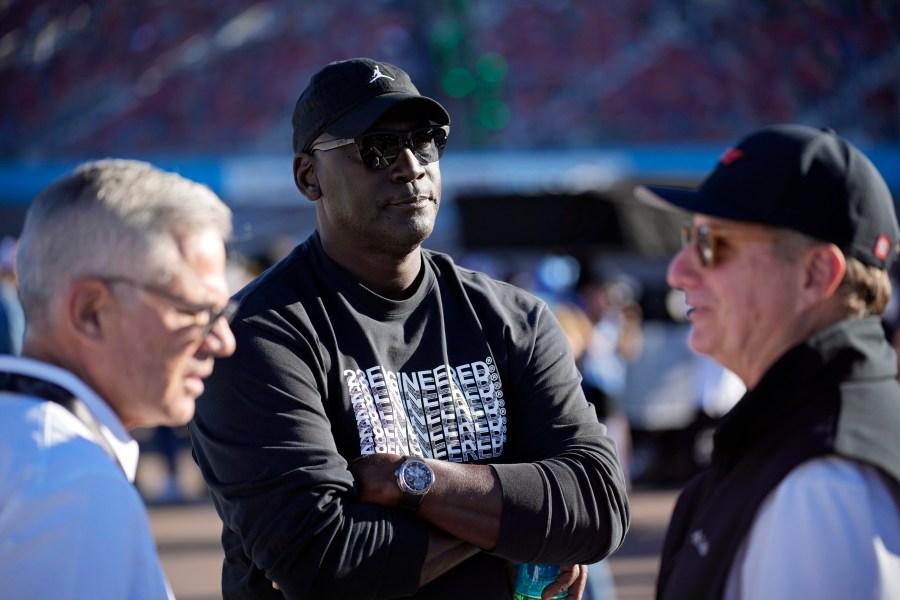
785, 271
393, 425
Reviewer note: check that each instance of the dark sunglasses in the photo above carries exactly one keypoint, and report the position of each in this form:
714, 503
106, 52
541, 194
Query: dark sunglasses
379, 149
709, 237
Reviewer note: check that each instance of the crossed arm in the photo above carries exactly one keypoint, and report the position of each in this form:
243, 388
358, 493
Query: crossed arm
464, 508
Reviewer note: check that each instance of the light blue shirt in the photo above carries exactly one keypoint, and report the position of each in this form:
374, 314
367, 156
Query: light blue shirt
72, 525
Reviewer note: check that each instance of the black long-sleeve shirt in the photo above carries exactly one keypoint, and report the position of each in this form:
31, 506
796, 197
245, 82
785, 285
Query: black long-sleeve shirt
468, 369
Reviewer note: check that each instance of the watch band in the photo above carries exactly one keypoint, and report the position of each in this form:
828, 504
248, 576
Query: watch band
411, 501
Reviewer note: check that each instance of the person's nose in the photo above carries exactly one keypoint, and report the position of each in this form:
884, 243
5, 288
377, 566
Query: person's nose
683, 269
407, 166
220, 342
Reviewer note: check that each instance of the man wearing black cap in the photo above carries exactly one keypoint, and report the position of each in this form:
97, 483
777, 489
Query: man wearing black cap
785, 271
393, 425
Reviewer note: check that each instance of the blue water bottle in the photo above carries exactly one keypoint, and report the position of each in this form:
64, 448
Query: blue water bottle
532, 578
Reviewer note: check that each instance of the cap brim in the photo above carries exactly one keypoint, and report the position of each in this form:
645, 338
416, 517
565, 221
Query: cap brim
688, 200
363, 117
667, 198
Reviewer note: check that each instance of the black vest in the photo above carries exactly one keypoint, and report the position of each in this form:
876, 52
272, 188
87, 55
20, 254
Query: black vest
836, 393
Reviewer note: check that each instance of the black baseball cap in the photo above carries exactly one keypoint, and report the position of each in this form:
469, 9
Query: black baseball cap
800, 178
346, 97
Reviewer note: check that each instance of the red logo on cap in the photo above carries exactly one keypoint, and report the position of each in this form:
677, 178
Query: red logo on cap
731, 155
882, 247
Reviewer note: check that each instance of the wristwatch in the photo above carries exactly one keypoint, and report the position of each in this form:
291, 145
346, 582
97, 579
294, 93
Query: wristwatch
415, 479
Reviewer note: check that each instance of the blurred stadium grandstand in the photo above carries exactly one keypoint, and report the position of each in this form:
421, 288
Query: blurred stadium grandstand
544, 94
200, 83
177, 77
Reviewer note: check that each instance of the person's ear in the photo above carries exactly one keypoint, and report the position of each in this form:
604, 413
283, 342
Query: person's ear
825, 268
87, 302
305, 176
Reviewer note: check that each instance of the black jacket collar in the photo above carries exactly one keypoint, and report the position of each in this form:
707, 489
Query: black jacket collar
848, 369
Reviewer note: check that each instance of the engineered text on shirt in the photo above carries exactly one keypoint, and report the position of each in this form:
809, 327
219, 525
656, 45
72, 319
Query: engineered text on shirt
454, 413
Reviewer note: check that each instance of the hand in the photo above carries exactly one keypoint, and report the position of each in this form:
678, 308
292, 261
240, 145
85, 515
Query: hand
573, 577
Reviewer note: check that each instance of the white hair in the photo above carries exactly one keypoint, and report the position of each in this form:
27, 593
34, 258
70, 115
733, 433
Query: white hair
110, 217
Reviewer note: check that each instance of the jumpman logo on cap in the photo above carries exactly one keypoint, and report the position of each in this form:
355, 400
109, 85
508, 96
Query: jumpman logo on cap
377, 74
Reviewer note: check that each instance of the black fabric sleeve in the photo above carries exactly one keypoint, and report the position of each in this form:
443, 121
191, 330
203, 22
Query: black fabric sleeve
565, 499
264, 444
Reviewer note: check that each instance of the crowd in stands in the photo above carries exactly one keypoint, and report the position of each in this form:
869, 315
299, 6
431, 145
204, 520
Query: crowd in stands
166, 76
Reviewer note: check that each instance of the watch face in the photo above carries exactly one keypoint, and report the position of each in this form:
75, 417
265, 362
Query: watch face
417, 476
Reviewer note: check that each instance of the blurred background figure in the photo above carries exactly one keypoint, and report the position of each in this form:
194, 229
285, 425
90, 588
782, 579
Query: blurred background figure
12, 318
579, 331
614, 343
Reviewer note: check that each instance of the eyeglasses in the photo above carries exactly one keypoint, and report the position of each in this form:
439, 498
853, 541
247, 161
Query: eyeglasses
205, 315
379, 149
709, 237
